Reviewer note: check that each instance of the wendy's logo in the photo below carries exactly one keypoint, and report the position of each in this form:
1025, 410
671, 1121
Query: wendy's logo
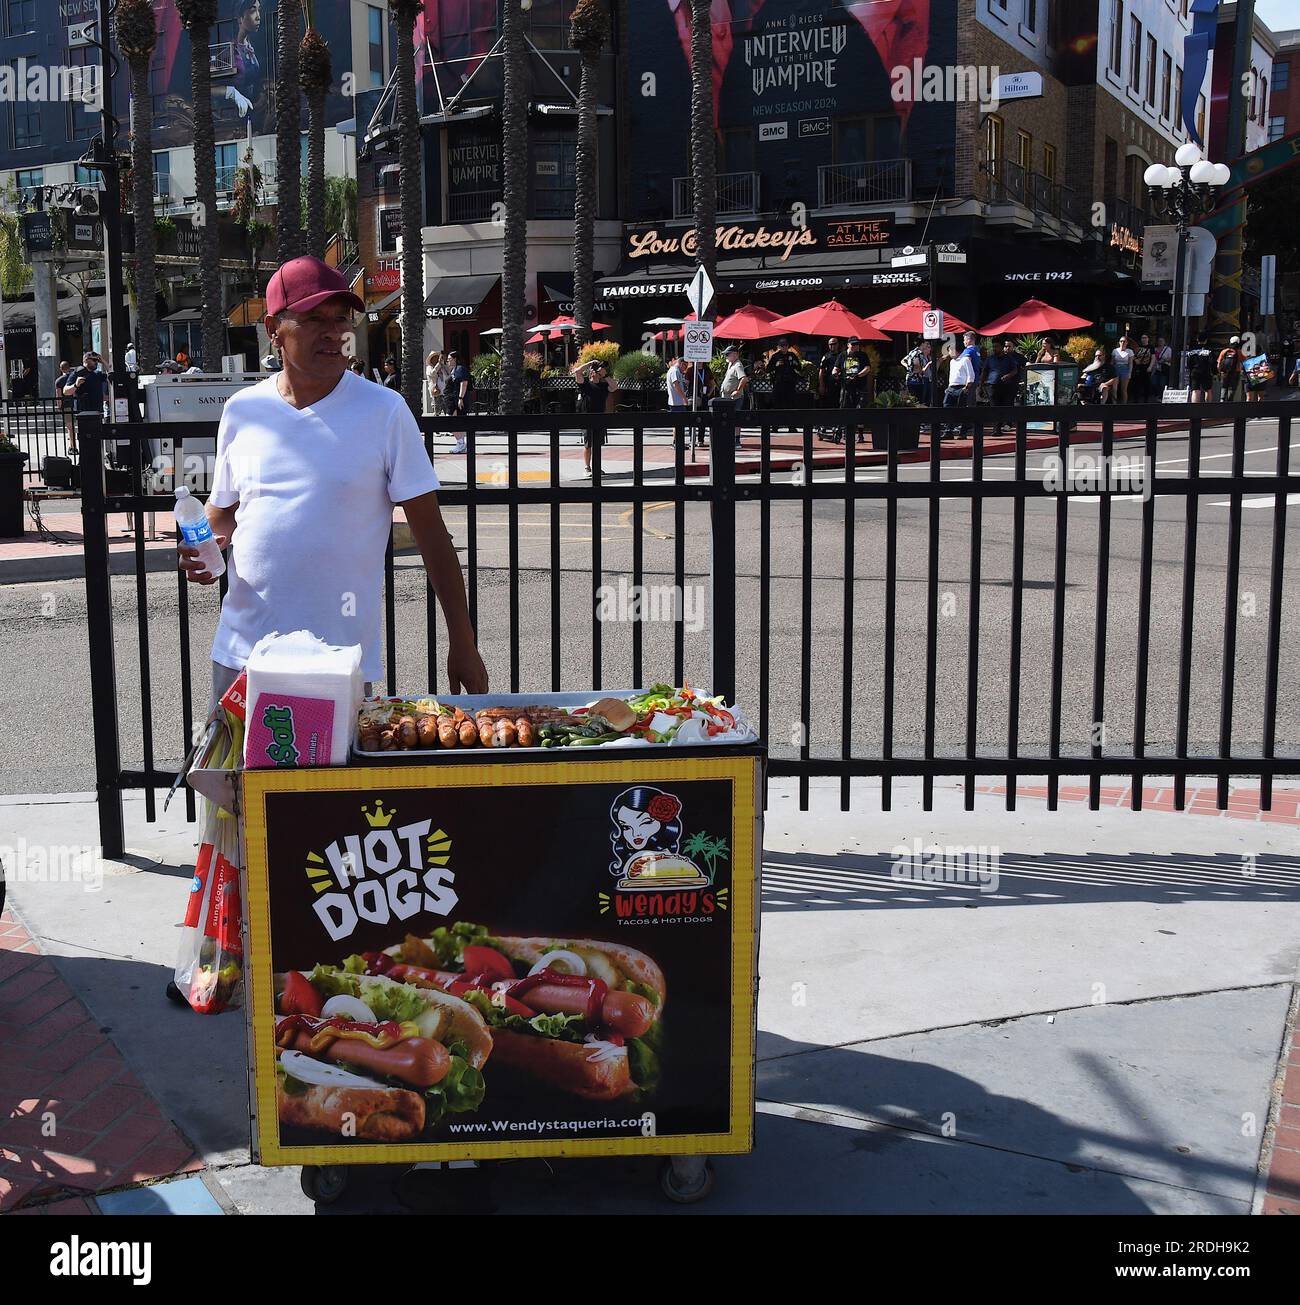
646, 838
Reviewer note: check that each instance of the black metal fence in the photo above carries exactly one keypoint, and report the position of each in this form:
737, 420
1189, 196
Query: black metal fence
1053, 603
38, 427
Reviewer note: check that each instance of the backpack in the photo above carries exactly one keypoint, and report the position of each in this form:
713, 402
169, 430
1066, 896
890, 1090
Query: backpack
1228, 362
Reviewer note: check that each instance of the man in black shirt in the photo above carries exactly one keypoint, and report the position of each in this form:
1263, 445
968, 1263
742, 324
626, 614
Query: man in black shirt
783, 368
853, 372
86, 388
392, 378
1200, 370
593, 396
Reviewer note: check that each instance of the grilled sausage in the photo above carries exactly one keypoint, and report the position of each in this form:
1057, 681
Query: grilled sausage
407, 734
468, 733
485, 733
419, 1061
524, 730
504, 734
429, 728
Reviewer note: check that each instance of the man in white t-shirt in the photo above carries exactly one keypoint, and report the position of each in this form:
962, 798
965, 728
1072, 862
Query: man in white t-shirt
309, 465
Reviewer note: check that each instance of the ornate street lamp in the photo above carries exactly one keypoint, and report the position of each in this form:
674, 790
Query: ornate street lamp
1181, 194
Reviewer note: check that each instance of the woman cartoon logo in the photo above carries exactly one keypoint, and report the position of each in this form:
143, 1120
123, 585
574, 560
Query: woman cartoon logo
646, 838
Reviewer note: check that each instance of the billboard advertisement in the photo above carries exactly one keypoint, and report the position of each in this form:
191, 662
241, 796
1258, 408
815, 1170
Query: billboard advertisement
242, 60
422, 988
797, 84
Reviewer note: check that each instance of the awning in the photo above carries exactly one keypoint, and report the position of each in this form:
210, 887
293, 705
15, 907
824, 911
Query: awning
645, 283
458, 296
23, 311
184, 315
374, 311
558, 289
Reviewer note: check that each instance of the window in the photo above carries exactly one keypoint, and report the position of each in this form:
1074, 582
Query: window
91, 177
1151, 71
25, 120
1117, 37
1134, 52
553, 155
1049, 162
21, 17
547, 23
1263, 98
850, 142
83, 121
737, 150
227, 164
1025, 150
1200, 116
1182, 8
1253, 78
1178, 99
1281, 76
1166, 86
1276, 128
1031, 15
993, 139
27, 181
376, 29
162, 174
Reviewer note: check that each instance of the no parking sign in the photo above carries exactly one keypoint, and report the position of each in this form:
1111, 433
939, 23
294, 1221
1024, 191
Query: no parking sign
697, 341
932, 324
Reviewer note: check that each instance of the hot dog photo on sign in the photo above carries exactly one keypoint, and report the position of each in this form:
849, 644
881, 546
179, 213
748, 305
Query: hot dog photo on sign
413, 1002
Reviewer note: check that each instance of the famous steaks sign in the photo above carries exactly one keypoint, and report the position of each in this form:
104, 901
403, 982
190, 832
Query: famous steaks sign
471, 960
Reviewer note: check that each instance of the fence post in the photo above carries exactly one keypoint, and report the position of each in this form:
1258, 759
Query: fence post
99, 624
722, 569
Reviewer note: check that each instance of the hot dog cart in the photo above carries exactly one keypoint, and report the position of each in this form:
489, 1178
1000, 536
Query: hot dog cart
488, 953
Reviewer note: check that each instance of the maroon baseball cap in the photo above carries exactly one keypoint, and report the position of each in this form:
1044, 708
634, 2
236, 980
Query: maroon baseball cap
302, 283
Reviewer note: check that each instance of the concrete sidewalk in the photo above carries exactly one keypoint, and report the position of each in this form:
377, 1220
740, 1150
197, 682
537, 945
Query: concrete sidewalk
1107, 1030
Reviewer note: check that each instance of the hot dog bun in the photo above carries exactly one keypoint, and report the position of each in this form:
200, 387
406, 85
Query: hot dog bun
380, 1114
565, 1065
636, 965
458, 1022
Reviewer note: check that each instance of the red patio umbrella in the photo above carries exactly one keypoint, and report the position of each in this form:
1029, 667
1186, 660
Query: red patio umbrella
830, 318
1034, 317
752, 322
905, 319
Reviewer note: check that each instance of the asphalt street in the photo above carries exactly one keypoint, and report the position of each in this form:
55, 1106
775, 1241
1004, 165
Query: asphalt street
47, 696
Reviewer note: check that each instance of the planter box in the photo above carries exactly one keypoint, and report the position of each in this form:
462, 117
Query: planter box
11, 494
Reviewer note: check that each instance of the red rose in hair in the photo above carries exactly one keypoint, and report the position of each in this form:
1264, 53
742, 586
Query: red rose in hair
664, 808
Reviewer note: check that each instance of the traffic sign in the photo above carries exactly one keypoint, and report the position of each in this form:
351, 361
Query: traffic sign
909, 260
700, 291
697, 341
932, 324
957, 257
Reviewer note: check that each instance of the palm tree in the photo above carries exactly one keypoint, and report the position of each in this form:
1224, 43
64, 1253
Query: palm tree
198, 16
514, 174
315, 75
288, 131
137, 35
704, 158
588, 29
411, 199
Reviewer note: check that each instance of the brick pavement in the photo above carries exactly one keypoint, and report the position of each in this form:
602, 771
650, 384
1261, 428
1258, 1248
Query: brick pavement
74, 1119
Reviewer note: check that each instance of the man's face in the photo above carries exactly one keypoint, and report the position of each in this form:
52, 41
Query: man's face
312, 342
832, 344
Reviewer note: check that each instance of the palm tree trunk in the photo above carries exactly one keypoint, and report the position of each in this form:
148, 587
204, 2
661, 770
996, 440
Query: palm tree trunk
146, 239
316, 233
704, 160
205, 178
412, 203
585, 201
288, 131
514, 171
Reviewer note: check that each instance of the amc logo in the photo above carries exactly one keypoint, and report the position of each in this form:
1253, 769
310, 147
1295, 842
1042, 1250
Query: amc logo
773, 130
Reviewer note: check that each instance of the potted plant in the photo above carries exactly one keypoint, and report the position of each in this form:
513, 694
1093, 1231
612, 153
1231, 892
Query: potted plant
12, 460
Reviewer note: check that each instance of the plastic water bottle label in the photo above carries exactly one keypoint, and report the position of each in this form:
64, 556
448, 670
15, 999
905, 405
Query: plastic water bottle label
197, 533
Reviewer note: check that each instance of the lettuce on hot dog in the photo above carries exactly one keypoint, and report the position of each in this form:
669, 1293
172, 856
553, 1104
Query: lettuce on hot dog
387, 1059
581, 1015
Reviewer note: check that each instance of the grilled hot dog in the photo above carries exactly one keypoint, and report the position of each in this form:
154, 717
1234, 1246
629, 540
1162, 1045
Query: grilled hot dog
421, 1062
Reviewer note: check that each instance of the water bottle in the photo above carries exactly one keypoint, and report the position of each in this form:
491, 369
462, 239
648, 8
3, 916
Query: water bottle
197, 533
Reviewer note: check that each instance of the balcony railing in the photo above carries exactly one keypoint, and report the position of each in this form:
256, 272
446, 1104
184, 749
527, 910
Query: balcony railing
1006, 182
472, 205
882, 181
737, 193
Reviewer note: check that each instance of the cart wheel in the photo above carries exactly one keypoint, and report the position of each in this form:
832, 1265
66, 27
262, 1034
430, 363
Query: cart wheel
686, 1188
324, 1184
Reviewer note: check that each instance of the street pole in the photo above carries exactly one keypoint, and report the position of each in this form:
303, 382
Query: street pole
112, 215
1176, 301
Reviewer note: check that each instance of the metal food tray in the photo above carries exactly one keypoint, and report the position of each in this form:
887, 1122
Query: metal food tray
472, 702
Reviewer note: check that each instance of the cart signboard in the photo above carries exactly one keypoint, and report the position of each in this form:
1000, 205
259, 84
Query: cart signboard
459, 960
